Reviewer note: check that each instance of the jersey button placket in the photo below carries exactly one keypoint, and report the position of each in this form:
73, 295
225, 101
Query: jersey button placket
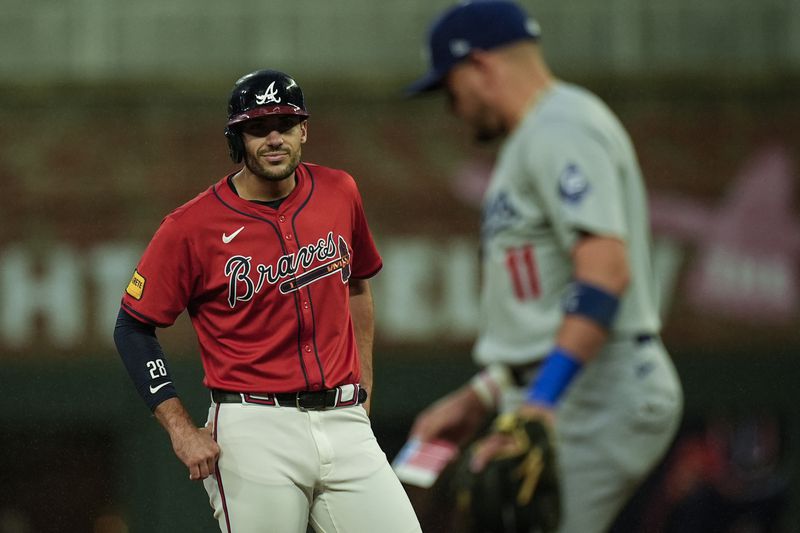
307, 348
287, 232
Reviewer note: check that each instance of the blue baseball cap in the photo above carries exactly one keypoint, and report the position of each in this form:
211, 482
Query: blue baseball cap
477, 24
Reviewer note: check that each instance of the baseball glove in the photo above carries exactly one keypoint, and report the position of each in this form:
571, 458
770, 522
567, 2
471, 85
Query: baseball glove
518, 490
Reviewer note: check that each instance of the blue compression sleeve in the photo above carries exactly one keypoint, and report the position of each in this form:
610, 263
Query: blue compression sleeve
144, 359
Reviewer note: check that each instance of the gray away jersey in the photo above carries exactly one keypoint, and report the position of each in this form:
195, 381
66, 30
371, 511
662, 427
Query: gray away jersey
569, 167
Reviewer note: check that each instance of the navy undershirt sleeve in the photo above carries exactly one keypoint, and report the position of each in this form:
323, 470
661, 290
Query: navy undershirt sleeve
144, 359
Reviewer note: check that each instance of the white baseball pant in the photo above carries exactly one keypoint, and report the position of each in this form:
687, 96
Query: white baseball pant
282, 468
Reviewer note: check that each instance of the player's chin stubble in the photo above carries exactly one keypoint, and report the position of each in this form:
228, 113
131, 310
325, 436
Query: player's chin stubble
487, 128
486, 124
270, 172
485, 135
485, 131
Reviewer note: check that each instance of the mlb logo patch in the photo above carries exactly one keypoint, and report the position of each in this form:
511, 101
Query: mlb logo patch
573, 184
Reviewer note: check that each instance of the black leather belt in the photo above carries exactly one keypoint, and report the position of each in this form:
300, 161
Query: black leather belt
344, 396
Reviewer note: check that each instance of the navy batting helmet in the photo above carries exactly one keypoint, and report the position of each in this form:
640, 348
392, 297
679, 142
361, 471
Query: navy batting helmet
260, 93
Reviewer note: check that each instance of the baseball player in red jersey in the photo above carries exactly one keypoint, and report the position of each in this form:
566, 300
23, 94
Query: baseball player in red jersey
272, 264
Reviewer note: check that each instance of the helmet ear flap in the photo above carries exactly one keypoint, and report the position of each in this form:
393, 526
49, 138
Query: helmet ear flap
235, 145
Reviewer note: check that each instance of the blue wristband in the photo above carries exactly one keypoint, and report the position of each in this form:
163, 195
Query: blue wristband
556, 373
592, 302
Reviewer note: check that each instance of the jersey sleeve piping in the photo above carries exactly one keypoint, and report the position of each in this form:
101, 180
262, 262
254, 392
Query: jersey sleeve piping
143, 318
312, 184
370, 274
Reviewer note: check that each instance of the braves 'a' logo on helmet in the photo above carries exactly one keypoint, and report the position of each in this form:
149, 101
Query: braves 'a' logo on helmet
270, 95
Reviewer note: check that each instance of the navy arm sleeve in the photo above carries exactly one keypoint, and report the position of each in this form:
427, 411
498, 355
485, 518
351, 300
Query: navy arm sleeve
144, 359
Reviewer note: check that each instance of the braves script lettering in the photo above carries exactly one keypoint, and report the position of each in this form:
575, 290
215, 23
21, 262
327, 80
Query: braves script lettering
242, 288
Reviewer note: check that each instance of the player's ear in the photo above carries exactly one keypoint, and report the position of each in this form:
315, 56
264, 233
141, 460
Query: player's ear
481, 59
487, 65
303, 131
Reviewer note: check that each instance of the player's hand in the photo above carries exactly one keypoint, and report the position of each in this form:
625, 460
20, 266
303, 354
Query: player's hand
198, 450
456, 418
513, 476
499, 443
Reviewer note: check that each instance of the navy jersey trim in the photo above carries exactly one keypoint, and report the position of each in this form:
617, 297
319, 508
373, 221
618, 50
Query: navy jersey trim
312, 182
143, 318
371, 274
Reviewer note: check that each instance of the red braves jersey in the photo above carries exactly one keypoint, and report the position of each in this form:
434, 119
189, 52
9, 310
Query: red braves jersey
266, 289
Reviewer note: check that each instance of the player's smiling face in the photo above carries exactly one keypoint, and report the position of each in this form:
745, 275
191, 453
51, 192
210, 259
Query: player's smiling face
273, 145
466, 90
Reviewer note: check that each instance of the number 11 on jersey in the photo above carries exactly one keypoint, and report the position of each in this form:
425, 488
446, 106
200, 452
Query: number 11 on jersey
521, 265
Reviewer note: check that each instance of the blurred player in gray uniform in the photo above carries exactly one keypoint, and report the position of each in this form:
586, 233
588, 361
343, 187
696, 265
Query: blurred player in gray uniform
569, 323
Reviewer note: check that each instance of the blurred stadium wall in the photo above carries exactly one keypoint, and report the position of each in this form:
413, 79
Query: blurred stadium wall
111, 114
